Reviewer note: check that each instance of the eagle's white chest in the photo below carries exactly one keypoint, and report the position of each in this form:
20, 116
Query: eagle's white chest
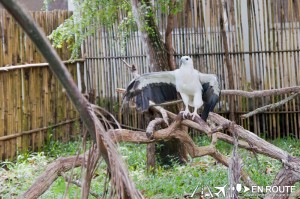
187, 81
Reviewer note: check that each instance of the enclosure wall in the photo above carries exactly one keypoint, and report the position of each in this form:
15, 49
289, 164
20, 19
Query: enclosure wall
34, 109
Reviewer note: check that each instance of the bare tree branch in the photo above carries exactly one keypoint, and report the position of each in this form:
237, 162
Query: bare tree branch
234, 169
52, 172
174, 132
259, 144
163, 113
262, 93
151, 126
270, 106
132, 68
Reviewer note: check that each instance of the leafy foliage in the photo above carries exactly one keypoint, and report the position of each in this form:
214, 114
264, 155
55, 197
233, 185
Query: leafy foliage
166, 6
89, 15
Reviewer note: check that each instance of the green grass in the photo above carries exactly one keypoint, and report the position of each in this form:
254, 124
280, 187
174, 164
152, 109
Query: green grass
167, 182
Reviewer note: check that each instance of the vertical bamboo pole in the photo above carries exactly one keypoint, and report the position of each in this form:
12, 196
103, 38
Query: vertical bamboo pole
228, 63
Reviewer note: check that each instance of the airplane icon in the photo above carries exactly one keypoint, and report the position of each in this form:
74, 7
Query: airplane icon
222, 190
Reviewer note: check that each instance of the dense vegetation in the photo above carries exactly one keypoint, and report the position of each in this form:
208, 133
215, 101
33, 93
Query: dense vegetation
167, 182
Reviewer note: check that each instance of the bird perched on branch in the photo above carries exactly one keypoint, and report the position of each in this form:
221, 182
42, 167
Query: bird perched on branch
195, 88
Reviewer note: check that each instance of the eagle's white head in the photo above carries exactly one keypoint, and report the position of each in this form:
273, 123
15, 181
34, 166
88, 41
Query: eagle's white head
186, 61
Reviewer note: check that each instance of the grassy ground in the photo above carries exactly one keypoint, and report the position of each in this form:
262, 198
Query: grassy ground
174, 182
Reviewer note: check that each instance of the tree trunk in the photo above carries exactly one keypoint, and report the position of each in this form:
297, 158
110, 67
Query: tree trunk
154, 45
168, 36
160, 57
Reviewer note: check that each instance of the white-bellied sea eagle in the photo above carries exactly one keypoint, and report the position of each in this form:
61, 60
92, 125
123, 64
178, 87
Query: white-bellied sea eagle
195, 88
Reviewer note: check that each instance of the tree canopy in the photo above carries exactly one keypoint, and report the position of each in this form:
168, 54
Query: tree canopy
88, 16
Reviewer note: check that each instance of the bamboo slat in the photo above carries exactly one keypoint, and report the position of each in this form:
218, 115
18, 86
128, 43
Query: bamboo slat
29, 92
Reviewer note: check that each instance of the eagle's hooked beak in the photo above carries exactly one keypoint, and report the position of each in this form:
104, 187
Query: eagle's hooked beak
183, 59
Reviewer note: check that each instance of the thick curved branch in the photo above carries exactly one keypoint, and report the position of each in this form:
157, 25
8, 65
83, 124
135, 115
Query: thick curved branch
52, 172
174, 132
162, 111
258, 144
126, 135
152, 124
287, 176
251, 141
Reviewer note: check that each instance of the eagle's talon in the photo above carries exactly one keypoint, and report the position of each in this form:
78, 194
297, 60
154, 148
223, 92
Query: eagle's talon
195, 115
184, 114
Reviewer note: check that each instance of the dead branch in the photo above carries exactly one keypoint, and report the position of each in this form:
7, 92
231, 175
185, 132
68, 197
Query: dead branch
269, 107
249, 141
151, 126
167, 103
258, 144
234, 170
126, 135
174, 132
208, 131
103, 115
120, 90
128, 65
290, 173
287, 176
171, 132
52, 172
88, 171
132, 68
262, 93
230, 140
163, 113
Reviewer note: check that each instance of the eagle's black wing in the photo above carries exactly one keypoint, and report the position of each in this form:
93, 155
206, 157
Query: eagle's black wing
158, 87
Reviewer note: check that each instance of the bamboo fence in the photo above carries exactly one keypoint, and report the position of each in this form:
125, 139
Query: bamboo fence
34, 108
263, 38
